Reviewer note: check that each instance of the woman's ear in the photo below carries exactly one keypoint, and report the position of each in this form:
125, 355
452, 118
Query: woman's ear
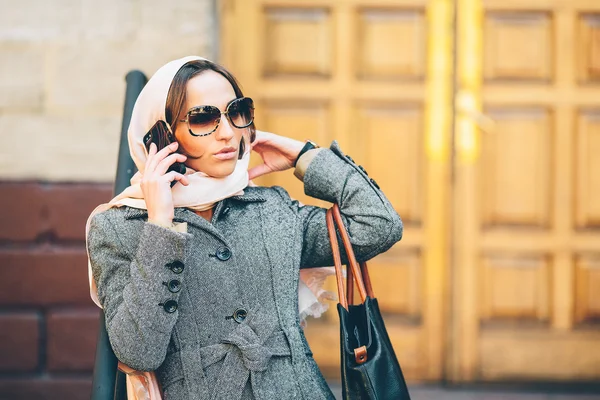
252, 132
242, 148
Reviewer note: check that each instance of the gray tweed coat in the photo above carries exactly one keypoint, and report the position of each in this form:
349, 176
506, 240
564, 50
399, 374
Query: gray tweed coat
215, 310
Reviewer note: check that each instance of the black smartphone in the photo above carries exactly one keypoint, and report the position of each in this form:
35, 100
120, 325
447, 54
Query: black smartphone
160, 135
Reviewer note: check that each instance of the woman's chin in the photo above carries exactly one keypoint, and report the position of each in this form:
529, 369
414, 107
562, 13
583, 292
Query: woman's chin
221, 171
218, 175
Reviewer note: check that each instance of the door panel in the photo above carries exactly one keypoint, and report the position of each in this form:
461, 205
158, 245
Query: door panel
525, 234
518, 45
298, 40
356, 71
587, 180
516, 159
379, 58
587, 282
388, 139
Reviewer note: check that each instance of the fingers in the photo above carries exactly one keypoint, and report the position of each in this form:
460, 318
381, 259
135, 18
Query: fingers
176, 176
151, 153
164, 165
263, 134
261, 137
259, 170
158, 163
154, 159
153, 149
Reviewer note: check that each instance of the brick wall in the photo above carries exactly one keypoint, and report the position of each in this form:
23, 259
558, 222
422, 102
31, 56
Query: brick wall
48, 324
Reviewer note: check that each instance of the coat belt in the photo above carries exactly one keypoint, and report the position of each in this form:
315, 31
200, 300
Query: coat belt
245, 356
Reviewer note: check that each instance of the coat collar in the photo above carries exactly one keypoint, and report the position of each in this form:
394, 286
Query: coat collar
249, 198
182, 214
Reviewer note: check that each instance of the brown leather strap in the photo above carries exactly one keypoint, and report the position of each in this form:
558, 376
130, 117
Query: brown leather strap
349, 285
352, 263
354, 271
337, 260
367, 279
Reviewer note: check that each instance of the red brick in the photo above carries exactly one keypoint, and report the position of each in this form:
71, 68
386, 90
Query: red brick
69, 207
21, 211
46, 389
29, 209
72, 340
19, 342
52, 276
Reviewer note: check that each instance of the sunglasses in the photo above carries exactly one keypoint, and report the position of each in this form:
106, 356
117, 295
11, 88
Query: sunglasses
204, 120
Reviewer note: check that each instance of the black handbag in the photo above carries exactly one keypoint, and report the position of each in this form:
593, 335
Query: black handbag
370, 368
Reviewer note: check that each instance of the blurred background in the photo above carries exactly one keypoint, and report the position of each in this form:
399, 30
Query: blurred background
480, 119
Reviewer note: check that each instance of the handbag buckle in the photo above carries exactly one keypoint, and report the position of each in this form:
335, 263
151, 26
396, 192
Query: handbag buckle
360, 354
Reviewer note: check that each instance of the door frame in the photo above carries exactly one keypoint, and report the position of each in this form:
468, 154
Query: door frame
438, 132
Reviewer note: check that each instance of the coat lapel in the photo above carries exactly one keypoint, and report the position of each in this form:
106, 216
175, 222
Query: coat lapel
186, 215
283, 244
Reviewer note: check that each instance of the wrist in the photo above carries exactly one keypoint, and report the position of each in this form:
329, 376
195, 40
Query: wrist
164, 222
308, 145
304, 161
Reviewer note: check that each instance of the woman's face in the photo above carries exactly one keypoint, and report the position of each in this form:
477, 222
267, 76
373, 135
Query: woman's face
216, 154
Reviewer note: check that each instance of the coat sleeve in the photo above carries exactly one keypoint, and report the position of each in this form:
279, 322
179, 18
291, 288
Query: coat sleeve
131, 281
373, 224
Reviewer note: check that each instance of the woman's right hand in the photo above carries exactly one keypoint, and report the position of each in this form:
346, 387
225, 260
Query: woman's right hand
156, 183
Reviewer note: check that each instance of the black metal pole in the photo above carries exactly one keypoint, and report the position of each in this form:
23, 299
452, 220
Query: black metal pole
136, 80
108, 383
105, 368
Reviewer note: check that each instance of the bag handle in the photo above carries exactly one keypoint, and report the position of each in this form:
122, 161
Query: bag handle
354, 270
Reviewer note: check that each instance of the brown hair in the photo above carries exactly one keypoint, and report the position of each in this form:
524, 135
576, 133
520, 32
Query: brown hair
177, 96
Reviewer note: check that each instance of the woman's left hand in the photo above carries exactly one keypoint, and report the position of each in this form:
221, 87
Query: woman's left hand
277, 152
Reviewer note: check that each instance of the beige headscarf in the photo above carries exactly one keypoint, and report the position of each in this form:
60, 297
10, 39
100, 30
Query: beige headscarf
203, 191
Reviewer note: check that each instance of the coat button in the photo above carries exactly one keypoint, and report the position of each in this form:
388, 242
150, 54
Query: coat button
240, 315
174, 285
374, 183
175, 266
350, 159
225, 211
170, 306
223, 254
363, 170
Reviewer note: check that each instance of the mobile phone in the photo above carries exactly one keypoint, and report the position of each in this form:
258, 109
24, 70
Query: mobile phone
160, 135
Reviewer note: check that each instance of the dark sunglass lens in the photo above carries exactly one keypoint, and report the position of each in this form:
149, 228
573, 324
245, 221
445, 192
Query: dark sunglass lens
203, 120
241, 112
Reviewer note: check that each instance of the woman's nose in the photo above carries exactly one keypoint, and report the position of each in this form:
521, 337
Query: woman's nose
225, 129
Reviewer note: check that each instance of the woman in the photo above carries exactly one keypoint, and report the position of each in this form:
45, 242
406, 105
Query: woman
199, 280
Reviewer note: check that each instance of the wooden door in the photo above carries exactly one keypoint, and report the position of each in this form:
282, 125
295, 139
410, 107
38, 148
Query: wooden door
368, 74
526, 231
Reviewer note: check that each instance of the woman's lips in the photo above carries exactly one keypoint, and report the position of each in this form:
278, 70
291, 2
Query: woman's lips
226, 155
